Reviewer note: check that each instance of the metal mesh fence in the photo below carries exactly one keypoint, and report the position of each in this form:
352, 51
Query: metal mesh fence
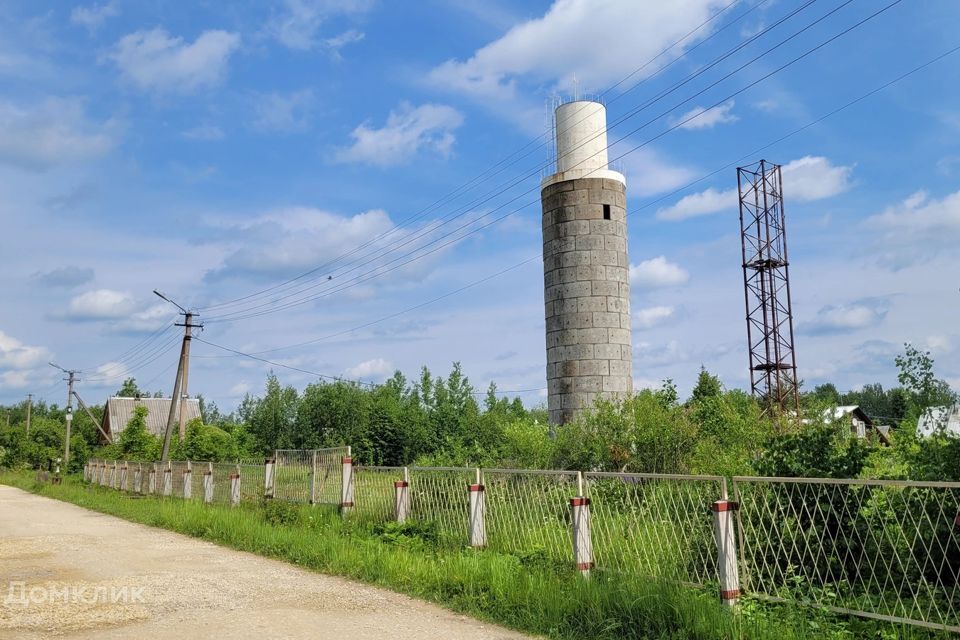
528, 513
374, 495
440, 495
221, 481
884, 549
655, 525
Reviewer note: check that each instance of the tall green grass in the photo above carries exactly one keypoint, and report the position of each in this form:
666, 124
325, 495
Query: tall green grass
513, 590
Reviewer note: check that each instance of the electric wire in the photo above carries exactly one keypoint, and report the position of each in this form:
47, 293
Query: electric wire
924, 65
380, 270
448, 197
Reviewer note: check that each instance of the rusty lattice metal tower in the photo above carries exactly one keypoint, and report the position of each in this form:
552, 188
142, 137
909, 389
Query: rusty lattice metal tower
766, 282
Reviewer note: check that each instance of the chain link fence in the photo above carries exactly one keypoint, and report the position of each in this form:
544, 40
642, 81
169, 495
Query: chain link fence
887, 550
882, 549
655, 525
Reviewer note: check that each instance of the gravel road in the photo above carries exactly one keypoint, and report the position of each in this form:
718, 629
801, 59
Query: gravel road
71, 573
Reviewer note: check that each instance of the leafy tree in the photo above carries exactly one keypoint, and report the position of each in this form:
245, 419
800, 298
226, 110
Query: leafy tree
129, 389
916, 375
707, 386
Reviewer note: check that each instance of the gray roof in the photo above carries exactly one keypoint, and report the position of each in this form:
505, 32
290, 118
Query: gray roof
935, 419
119, 411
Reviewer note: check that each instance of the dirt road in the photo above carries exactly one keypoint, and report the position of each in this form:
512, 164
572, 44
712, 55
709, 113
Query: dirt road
72, 573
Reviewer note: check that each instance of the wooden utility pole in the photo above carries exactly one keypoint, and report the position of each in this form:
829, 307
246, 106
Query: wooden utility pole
29, 409
180, 383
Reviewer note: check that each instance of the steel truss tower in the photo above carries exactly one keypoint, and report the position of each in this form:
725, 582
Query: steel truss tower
766, 283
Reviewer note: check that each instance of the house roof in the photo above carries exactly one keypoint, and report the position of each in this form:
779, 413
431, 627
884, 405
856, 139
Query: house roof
835, 413
119, 411
936, 418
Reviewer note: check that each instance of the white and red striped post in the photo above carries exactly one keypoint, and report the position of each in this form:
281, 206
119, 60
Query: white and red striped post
478, 511
235, 487
208, 484
269, 466
725, 537
346, 486
168, 480
313, 477
401, 490
582, 542
188, 481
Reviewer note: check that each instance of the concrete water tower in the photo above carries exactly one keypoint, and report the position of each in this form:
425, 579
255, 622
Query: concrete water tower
586, 273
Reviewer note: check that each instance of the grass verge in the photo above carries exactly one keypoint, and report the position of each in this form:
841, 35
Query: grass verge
522, 592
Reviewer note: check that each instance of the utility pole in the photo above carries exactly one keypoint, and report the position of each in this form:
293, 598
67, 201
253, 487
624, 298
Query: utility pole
71, 378
180, 383
29, 409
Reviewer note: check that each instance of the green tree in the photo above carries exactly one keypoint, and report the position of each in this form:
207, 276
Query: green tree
128, 389
707, 386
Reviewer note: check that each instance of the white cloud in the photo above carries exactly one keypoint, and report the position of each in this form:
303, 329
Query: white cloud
700, 204
53, 132
598, 42
814, 178
17, 356
334, 44
100, 304
698, 118
155, 61
917, 229
206, 132
845, 318
657, 272
93, 16
298, 24
240, 389
294, 240
804, 180
407, 131
648, 172
64, 277
111, 373
376, 368
283, 112
651, 317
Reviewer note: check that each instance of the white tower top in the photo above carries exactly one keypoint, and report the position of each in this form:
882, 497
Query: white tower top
581, 143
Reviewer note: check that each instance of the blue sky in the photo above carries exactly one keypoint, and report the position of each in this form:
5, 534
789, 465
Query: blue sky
215, 150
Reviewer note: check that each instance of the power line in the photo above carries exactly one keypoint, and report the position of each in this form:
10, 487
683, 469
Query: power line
675, 192
381, 270
448, 197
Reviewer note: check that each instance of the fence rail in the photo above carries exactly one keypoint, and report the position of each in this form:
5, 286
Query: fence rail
882, 549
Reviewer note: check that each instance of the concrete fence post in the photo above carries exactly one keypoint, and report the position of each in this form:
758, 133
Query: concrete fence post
208, 484
123, 477
582, 541
103, 474
478, 511
188, 481
235, 487
268, 470
138, 478
152, 479
346, 485
725, 537
313, 477
168, 480
86, 470
401, 489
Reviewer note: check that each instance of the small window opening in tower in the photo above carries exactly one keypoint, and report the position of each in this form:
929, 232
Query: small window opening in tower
606, 212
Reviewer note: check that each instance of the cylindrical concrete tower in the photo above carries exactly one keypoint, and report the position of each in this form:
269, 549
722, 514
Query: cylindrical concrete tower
586, 273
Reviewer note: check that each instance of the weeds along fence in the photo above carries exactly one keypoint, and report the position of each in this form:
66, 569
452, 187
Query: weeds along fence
887, 550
